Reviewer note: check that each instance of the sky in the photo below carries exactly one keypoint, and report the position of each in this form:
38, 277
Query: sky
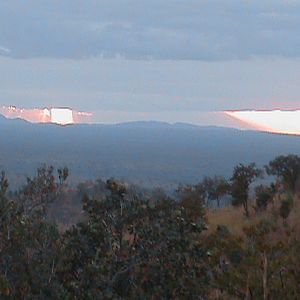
168, 60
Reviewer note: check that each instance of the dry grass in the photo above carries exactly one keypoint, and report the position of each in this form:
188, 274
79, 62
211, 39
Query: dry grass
235, 220
232, 217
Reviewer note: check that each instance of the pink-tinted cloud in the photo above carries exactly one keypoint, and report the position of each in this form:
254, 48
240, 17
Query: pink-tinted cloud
277, 121
61, 116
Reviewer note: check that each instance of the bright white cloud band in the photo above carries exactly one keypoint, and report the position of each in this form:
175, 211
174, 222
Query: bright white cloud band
62, 116
277, 121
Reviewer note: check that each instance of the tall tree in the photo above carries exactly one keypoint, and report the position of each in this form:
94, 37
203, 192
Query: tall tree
215, 188
286, 169
132, 248
29, 243
243, 176
264, 196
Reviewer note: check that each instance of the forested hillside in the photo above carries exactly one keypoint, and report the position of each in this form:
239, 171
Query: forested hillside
147, 153
111, 240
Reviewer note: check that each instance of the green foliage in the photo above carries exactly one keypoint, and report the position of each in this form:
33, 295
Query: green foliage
215, 188
130, 245
286, 169
286, 206
39, 191
256, 266
243, 176
264, 196
193, 198
132, 248
29, 242
127, 247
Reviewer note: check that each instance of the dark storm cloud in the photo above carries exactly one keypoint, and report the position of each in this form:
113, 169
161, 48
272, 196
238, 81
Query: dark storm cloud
169, 29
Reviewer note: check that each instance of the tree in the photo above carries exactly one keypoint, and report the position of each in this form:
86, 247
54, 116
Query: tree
286, 169
3, 184
243, 176
286, 206
40, 191
29, 245
132, 248
261, 264
63, 175
215, 188
193, 199
264, 196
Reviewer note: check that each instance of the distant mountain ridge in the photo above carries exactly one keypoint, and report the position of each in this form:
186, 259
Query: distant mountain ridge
150, 153
4, 120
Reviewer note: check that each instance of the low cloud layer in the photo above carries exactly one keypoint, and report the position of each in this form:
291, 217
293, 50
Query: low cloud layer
169, 29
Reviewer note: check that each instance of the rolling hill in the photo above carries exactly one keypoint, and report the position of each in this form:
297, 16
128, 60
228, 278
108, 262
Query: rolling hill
148, 153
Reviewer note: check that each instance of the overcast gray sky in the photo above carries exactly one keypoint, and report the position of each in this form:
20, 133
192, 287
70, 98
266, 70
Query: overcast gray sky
150, 56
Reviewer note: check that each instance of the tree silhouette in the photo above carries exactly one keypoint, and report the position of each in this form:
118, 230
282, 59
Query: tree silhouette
264, 196
286, 169
243, 176
215, 188
132, 248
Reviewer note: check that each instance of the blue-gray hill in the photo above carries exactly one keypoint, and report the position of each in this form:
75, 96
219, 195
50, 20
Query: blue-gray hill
151, 153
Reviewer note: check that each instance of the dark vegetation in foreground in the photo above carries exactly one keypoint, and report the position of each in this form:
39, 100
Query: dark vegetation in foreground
125, 244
